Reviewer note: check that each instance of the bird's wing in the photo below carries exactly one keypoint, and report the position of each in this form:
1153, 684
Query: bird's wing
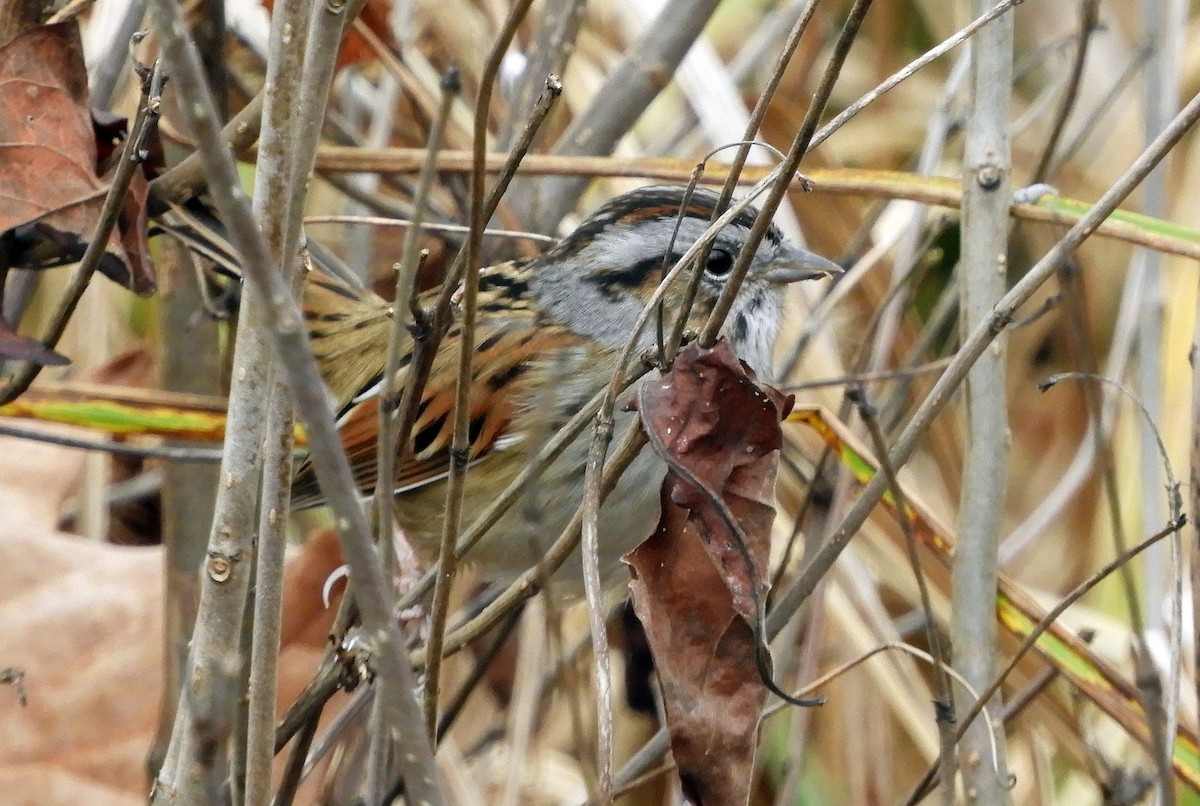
512, 348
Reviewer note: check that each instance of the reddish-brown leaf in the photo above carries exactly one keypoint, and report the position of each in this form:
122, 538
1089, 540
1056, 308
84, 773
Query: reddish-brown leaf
699, 581
704, 655
133, 224
48, 156
22, 348
718, 428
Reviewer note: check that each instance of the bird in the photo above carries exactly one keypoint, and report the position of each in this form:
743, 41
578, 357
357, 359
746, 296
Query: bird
549, 333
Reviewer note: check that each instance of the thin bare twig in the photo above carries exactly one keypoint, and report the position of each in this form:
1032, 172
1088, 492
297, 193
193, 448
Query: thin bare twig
594, 490
549, 53
1163, 22
528, 584
735, 169
129, 163
380, 221
268, 594
332, 469
187, 178
1096, 115
432, 325
491, 515
1161, 727
945, 46
483, 662
460, 445
787, 169
976, 342
869, 377
1047, 621
104, 445
293, 772
594, 589
1089, 17
109, 65
636, 80
1174, 500
944, 704
321, 40
271, 188
398, 344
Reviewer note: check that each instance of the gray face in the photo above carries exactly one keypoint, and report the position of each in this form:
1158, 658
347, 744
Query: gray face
597, 280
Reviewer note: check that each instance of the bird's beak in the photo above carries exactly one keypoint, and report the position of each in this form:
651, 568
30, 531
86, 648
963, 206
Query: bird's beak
793, 263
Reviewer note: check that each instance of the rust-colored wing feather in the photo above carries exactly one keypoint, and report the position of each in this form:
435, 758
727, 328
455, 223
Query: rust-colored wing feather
510, 342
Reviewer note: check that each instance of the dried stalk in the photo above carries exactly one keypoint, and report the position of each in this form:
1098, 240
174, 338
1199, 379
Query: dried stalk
460, 445
320, 39
326, 682
944, 704
190, 362
304, 381
735, 171
1163, 22
398, 344
987, 195
1047, 621
637, 80
459, 229
787, 168
276, 208
187, 179
594, 488
978, 341
212, 689
870, 184
105, 445
945, 46
528, 584
268, 593
432, 325
549, 53
1089, 18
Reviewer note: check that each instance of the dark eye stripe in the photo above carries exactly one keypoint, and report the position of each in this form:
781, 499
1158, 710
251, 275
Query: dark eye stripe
622, 278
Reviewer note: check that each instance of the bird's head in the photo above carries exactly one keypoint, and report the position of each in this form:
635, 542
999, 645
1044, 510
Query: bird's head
599, 278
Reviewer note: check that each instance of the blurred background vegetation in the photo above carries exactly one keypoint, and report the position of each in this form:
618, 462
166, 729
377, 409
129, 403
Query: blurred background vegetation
1092, 82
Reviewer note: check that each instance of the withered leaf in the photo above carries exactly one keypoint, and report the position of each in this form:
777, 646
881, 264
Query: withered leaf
22, 348
704, 655
700, 580
133, 224
48, 155
718, 430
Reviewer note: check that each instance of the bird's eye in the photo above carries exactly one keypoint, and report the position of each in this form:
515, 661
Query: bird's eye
719, 263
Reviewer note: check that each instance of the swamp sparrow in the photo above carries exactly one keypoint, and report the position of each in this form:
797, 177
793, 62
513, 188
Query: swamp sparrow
549, 333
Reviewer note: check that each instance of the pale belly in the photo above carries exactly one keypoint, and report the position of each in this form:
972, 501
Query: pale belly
544, 508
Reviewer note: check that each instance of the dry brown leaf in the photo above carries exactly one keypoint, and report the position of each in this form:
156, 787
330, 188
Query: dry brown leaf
48, 156
704, 654
83, 621
22, 348
699, 581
